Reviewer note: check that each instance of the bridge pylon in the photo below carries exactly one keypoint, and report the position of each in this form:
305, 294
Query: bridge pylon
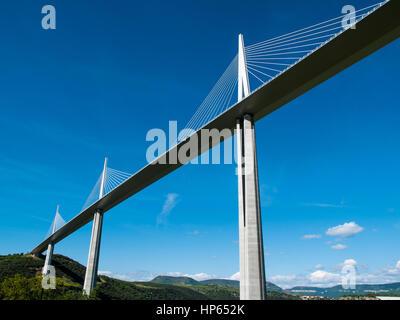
94, 249
251, 251
50, 248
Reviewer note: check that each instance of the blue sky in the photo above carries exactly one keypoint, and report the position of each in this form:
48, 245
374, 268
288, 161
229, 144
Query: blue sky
71, 96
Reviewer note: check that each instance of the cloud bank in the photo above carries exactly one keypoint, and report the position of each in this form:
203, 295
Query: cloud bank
344, 230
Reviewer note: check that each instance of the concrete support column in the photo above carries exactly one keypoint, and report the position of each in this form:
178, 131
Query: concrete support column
252, 273
94, 251
242, 229
49, 257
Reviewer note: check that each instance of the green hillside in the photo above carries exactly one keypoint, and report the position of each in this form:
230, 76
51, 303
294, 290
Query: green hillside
222, 282
29, 266
114, 289
20, 278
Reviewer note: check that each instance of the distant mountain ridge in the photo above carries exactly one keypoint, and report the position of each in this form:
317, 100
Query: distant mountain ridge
338, 291
219, 282
174, 280
329, 292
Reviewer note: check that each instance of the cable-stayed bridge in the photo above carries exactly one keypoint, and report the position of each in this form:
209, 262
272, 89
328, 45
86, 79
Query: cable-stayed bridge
281, 69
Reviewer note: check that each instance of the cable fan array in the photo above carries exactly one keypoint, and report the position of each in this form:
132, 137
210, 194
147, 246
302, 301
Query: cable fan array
216, 102
57, 223
113, 178
268, 59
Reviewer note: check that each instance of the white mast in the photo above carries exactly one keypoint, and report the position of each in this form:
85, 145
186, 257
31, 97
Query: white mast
243, 77
55, 220
103, 179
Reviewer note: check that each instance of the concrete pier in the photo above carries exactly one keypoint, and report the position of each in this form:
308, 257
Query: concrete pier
251, 251
94, 251
49, 257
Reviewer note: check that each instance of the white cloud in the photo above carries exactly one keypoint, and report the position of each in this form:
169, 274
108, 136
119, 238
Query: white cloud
235, 276
339, 246
321, 277
283, 278
317, 278
347, 262
344, 230
311, 236
326, 205
350, 262
169, 204
288, 281
130, 276
395, 270
389, 274
202, 276
319, 266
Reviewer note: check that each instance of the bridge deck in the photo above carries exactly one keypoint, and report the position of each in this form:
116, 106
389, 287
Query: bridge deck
373, 32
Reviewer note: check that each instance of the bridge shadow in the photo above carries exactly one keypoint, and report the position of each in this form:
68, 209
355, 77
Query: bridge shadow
68, 268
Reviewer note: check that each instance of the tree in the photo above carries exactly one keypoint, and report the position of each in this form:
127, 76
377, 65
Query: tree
20, 288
